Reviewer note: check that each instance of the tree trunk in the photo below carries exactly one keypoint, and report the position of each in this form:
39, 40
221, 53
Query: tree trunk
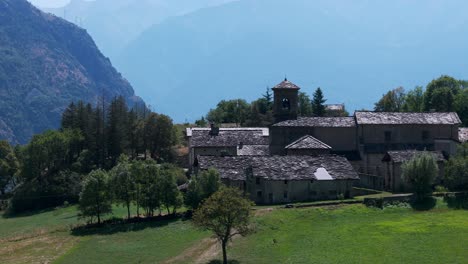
223, 245
128, 210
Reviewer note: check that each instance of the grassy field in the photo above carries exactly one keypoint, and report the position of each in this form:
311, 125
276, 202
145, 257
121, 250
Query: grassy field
332, 234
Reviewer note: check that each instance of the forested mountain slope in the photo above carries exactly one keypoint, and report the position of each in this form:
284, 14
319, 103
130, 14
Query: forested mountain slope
45, 63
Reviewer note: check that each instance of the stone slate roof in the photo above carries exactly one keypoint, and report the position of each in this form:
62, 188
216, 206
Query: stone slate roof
253, 150
318, 122
463, 134
228, 137
286, 85
395, 118
405, 155
308, 142
279, 167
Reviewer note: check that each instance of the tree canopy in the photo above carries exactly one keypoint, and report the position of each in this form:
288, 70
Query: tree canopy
421, 172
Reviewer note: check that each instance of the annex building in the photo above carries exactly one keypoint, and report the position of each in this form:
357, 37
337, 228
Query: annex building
316, 158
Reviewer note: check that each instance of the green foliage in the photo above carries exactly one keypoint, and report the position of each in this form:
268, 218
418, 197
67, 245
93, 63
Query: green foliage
304, 105
226, 213
96, 196
231, 111
201, 187
171, 198
421, 172
414, 100
318, 101
444, 94
123, 183
9, 166
201, 122
440, 94
456, 171
461, 105
392, 101
46, 179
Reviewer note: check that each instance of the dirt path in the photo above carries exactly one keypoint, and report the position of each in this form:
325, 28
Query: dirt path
201, 253
207, 249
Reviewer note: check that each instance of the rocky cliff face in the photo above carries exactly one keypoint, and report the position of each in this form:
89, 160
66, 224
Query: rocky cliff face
45, 63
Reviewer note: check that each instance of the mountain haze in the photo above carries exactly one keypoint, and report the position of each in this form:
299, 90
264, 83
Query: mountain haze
45, 63
115, 23
354, 50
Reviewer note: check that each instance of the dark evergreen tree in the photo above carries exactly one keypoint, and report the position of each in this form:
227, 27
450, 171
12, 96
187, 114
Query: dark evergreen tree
318, 103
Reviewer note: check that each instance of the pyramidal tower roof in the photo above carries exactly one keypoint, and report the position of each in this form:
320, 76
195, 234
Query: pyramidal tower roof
286, 85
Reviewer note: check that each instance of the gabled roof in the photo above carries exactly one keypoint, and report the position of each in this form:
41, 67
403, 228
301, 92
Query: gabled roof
286, 85
463, 134
228, 137
308, 142
318, 122
406, 155
397, 118
280, 167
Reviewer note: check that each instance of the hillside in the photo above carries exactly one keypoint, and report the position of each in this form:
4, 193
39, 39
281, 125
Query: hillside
45, 63
348, 48
114, 23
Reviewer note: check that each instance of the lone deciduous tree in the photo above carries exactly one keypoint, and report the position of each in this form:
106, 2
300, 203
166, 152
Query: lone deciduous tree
420, 172
226, 213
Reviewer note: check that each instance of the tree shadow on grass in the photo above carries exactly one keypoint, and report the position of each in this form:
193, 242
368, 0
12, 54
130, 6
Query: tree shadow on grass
118, 225
459, 201
215, 261
424, 204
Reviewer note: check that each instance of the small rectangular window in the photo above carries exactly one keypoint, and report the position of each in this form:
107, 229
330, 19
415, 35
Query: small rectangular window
257, 180
388, 135
285, 181
285, 195
259, 194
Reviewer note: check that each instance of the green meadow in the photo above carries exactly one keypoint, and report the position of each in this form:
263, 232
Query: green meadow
328, 234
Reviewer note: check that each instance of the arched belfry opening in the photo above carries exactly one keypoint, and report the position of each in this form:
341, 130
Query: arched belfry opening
286, 104
285, 101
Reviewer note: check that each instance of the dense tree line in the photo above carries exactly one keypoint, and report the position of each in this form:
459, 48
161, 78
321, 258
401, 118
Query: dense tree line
259, 113
146, 186
112, 130
149, 187
49, 170
445, 94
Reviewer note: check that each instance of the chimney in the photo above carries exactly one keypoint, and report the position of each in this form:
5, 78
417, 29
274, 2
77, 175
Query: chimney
241, 145
214, 131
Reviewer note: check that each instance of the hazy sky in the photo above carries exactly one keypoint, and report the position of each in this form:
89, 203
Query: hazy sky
49, 3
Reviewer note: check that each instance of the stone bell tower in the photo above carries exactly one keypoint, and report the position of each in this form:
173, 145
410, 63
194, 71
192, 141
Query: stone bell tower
285, 101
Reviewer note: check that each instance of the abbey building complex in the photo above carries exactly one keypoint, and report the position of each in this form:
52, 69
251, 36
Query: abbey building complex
315, 158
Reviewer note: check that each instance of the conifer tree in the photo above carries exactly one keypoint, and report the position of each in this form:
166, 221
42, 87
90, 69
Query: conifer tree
318, 107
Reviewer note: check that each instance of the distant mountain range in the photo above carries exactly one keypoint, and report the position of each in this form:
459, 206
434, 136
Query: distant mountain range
45, 63
354, 50
192, 56
115, 23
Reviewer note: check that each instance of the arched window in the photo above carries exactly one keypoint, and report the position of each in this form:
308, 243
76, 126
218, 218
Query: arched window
286, 104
